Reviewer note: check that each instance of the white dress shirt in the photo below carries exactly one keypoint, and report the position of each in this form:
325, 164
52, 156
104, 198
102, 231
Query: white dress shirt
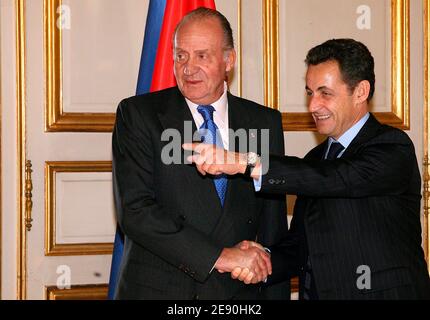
220, 115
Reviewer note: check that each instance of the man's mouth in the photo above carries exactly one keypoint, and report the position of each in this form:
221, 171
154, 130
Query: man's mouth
193, 82
321, 117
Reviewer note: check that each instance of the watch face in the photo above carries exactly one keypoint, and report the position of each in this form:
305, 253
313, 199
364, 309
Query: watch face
252, 158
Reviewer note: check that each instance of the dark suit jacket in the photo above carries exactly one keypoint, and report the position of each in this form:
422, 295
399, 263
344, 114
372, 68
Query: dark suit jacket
360, 209
174, 225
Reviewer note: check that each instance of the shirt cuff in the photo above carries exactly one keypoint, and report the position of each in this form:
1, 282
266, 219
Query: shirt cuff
257, 183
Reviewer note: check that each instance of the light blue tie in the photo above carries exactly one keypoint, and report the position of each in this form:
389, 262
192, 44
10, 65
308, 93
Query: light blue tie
210, 134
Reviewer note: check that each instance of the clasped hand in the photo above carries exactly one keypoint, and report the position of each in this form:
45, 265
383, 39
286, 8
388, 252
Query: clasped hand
247, 262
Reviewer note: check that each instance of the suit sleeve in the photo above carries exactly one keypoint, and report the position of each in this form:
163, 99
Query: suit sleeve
141, 218
274, 224
286, 255
380, 167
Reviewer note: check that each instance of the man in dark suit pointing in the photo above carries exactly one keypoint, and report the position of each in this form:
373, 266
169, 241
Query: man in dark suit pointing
356, 230
180, 227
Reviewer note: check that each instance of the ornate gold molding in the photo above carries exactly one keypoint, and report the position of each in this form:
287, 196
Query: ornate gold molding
400, 62
426, 177
55, 118
78, 292
295, 121
426, 195
21, 146
28, 195
51, 247
271, 52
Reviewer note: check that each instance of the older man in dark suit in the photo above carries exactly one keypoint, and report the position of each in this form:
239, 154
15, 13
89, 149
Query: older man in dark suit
180, 227
356, 231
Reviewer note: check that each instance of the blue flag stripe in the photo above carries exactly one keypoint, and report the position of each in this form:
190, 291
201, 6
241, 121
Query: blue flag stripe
118, 248
154, 22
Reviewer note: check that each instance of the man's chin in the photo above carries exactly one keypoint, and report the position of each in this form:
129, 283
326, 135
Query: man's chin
323, 130
191, 94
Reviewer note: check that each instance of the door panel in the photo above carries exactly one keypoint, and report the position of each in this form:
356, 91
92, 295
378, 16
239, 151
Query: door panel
70, 243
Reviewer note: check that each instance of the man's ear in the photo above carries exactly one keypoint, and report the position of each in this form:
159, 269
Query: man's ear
230, 59
362, 91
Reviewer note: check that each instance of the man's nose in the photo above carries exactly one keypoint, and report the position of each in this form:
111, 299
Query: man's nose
190, 67
313, 104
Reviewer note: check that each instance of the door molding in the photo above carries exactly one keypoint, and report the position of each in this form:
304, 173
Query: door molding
398, 116
426, 160
52, 248
21, 293
77, 292
56, 120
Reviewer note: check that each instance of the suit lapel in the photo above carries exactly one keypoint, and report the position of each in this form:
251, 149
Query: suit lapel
174, 113
367, 132
173, 116
237, 119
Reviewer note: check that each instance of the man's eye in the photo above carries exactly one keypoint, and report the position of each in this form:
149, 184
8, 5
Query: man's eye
309, 93
180, 57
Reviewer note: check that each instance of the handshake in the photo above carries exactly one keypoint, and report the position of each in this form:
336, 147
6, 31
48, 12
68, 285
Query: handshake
248, 261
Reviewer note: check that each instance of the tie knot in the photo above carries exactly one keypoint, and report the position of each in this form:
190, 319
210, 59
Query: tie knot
207, 112
335, 149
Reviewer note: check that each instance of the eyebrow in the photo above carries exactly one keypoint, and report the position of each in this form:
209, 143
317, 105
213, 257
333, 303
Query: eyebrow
201, 51
319, 88
195, 51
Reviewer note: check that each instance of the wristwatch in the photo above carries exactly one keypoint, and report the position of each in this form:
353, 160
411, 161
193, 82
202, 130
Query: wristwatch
251, 161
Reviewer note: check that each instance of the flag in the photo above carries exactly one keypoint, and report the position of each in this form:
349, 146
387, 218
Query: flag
155, 73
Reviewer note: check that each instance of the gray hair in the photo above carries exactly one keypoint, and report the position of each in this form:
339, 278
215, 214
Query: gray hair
206, 13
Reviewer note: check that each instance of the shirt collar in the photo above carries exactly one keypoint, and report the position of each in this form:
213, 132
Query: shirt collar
351, 133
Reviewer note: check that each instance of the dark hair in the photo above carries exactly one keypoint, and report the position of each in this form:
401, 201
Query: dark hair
354, 58
205, 13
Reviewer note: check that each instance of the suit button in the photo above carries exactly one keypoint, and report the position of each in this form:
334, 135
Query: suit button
182, 217
283, 181
196, 297
249, 221
271, 181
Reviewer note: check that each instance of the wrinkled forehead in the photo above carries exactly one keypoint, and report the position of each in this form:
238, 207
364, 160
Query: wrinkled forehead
207, 30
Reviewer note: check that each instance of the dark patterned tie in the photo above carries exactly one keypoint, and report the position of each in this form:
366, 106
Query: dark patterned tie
210, 134
335, 149
309, 289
